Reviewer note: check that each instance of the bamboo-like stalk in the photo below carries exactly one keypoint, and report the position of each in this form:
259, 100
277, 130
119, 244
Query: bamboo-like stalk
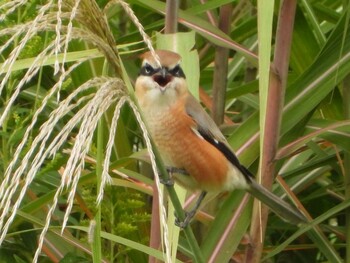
172, 7
155, 236
275, 101
221, 67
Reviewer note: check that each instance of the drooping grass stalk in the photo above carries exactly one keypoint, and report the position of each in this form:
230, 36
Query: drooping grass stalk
105, 177
139, 26
11, 180
31, 72
89, 114
10, 7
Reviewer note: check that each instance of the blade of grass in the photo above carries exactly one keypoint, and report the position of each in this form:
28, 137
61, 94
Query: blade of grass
333, 211
346, 103
313, 20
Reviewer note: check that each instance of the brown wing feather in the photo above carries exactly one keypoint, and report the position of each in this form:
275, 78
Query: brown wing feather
211, 133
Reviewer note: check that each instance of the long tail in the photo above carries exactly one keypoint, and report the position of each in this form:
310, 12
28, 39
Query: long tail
276, 204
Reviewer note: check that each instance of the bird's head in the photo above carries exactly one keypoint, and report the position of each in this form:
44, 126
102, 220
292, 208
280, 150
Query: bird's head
160, 84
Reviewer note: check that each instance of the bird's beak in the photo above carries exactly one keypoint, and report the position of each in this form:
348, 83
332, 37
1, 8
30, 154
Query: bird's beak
162, 78
163, 72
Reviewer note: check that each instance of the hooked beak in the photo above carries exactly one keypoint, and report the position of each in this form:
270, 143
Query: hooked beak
162, 78
163, 72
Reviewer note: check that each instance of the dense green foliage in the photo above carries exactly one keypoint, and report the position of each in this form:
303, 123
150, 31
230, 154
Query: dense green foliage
310, 152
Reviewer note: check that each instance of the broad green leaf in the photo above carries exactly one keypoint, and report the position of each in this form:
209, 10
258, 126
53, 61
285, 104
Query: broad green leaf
304, 45
311, 88
265, 25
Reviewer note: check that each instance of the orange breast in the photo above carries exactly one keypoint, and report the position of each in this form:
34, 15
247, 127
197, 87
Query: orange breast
180, 147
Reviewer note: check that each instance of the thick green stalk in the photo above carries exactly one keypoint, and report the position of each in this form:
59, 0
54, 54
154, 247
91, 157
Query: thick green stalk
96, 238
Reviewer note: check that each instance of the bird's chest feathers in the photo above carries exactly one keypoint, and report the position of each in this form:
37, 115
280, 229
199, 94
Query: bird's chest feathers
173, 131
169, 126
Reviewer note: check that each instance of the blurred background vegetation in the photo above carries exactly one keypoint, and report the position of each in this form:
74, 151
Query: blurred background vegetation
285, 111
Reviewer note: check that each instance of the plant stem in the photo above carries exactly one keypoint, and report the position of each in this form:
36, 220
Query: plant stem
275, 101
346, 103
155, 239
346, 162
96, 241
221, 67
172, 7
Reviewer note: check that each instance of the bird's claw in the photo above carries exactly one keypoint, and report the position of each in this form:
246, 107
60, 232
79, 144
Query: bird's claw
167, 182
171, 170
188, 217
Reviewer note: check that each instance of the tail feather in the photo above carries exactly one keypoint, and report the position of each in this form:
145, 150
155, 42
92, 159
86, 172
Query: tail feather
276, 204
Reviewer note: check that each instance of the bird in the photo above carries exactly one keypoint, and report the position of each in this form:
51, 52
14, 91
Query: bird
190, 144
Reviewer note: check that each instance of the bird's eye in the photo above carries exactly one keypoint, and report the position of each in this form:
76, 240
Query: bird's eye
147, 70
177, 71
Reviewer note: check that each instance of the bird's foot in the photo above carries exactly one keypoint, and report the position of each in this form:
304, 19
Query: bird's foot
188, 217
167, 182
171, 170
